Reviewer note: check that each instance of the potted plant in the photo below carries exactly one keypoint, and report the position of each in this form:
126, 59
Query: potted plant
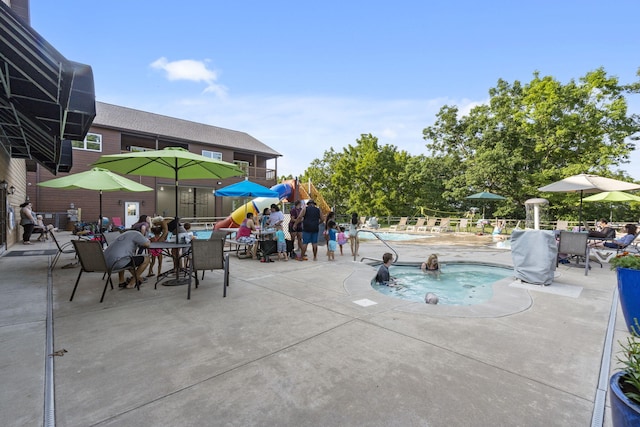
624, 390
627, 268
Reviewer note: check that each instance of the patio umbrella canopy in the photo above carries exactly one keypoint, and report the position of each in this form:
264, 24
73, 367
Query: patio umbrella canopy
485, 195
98, 179
586, 183
246, 188
172, 162
612, 196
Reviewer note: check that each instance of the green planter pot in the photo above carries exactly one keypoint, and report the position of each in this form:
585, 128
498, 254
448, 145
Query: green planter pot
629, 291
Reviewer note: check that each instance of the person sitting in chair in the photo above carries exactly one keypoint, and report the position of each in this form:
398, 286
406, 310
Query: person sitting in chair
603, 231
620, 243
122, 253
244, 235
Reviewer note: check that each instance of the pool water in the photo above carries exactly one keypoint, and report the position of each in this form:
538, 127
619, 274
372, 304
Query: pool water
393, 237
457, 283
202, 234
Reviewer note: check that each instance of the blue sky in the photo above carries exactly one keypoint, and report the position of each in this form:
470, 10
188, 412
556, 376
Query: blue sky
304, 77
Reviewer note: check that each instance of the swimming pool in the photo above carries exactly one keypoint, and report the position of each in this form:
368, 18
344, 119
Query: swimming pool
393, 237
458, 284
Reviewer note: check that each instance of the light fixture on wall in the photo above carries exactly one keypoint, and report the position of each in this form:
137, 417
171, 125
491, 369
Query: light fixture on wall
5, 187
161, 188
120, 202
219, 182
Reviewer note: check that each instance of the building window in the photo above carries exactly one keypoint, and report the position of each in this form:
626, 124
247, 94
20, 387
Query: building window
212, 154
92, 142
242, 165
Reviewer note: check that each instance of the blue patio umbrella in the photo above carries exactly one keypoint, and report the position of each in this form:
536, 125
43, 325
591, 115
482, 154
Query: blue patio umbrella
246, 188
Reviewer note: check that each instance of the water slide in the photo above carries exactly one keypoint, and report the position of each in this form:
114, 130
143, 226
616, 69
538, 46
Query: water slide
289, 190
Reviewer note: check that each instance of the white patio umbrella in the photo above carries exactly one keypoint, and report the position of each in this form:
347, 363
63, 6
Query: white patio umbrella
586, 183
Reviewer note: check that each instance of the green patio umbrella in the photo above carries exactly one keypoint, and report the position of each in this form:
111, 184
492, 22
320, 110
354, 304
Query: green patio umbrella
485, 195
172, 162
612, 196
95, 179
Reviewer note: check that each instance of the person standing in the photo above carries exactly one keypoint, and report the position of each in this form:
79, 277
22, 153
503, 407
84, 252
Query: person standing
27, 221
122, 253
325, 233
332, 244
295, 231
353, 229
281, 244
276, 217
310, 217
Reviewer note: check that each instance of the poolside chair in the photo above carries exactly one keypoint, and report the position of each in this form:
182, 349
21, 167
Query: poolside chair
401, 225
92, 260
442, 226
419, 223
601, 255
571, 243
363, 221
116, 223
463, 225
208, 255
431, 222
66, 248
562, 225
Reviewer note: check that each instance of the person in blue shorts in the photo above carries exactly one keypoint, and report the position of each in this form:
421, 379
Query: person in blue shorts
311, 217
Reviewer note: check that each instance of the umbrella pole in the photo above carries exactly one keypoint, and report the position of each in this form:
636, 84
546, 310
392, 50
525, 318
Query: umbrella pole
176, 179
100, 218
580, 213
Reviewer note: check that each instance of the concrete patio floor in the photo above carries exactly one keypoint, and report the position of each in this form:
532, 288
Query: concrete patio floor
289, 347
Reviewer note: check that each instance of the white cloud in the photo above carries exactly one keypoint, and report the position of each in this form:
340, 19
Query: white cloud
191, 70
303, 128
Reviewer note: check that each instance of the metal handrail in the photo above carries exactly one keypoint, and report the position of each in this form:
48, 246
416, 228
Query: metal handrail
377, 237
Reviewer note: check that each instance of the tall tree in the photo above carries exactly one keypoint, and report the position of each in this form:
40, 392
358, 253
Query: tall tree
530, 135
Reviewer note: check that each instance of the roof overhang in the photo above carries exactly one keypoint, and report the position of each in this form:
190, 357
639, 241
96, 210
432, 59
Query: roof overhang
44, 98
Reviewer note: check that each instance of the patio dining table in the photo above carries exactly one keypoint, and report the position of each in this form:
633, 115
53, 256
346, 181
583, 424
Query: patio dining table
173, 250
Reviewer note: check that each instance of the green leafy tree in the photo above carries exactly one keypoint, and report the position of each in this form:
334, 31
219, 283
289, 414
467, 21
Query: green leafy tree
530, 135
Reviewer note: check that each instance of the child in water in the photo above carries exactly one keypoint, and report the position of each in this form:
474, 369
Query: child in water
383, 277
431, 264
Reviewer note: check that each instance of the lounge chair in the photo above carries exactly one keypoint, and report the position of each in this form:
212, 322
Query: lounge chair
442, 226
562, 225
431, 222
401, 225
463, 225
419, 223
363, 221
603, 255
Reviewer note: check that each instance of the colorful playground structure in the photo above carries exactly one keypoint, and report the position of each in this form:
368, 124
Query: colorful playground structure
289, 190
